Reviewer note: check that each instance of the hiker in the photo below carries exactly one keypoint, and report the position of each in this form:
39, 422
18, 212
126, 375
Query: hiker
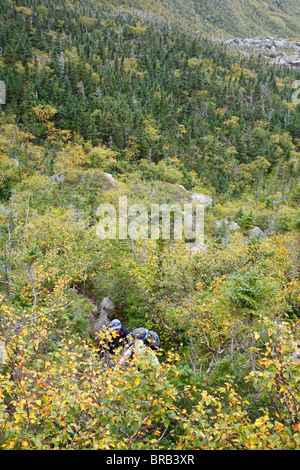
139, 350
111, 338
153, 340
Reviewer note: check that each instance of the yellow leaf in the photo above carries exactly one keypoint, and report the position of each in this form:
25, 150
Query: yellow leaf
137, 380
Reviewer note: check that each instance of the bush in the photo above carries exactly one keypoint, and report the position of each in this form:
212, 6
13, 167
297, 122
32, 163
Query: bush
249, 292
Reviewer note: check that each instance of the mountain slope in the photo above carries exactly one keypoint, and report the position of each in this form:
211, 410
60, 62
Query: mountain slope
228, 18
104, 102
148, 92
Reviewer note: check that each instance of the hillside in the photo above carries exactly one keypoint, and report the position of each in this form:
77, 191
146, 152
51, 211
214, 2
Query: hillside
229, 18
125, 100
69, 73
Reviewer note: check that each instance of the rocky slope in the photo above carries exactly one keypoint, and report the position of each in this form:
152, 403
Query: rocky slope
277, 51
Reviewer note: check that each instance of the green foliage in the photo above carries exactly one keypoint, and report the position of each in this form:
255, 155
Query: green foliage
249, 292
94, 111
246, 222
156, 106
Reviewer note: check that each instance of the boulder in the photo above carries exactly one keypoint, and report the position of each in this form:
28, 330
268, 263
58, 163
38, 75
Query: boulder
232, 226
256, 232
228, 228
111, 179
95, 311
58, 178
107, 313
202, 198
221, 222
195, 247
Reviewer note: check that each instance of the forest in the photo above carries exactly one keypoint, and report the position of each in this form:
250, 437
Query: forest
107, 100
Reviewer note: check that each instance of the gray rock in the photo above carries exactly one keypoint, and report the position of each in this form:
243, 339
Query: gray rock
221, 222
197, 247
111, 179
228, 228
274, 49
95, 311
108, 307
256, 232
100, 323
232, 226
292, 58
107, 312
58, 178
202, 198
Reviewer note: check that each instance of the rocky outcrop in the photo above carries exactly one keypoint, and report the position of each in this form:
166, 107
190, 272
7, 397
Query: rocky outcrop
89, 178
201, 198
106, 313
232, 226
58, 178
276, 51
111, 179
224, 228
197, 247
257, 232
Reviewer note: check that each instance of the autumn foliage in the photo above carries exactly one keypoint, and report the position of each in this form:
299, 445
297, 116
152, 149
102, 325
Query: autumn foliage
104, 102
